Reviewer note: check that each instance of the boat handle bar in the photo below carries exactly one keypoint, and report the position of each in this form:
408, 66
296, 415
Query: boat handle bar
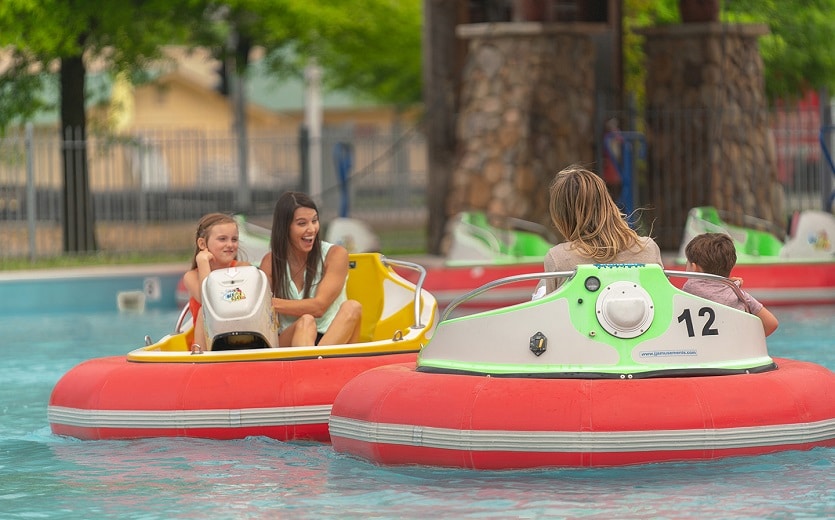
502, 281
183, 313
418, 286
715, 277
568, 274
533, 227
485, 234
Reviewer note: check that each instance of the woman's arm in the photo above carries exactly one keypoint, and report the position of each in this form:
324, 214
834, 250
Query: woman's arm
549, 266
334, 276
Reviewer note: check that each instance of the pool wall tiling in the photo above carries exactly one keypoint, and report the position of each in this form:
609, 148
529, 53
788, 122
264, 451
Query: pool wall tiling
87, 289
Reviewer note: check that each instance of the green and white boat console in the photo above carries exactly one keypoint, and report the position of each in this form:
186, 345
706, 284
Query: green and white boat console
606, 321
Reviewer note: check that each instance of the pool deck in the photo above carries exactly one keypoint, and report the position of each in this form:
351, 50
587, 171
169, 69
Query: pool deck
90, 289
94, 271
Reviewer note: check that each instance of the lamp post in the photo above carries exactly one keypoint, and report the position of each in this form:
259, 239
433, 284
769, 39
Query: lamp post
313, 122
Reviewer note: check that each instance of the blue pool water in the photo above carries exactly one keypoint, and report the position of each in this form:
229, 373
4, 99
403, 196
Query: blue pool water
43, 476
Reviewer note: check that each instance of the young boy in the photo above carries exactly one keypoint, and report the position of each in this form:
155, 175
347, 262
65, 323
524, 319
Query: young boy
714, 253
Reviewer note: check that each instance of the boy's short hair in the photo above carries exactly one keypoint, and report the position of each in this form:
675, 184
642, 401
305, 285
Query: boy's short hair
713, 252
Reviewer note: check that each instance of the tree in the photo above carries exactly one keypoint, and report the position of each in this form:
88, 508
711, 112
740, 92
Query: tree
442, 73
369, 46
67, 36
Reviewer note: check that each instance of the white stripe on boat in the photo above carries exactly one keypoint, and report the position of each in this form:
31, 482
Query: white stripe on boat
791, 295
554, 441
177, 419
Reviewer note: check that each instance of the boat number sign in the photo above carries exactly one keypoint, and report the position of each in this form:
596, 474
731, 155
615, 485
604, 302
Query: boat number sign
706, 318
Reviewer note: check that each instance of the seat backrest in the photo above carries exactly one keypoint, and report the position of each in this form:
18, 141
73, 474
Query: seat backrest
365, 285
762, 244
529, 244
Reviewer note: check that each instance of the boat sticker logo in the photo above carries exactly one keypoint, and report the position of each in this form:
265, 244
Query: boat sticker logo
820, 241
234, 295
539, 343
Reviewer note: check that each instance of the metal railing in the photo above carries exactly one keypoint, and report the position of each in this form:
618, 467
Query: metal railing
449, 311
149, 192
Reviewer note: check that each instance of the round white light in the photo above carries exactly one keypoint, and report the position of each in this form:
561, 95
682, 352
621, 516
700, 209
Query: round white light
624, 309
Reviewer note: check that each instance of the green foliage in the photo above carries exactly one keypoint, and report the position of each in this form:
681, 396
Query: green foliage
118, 34
368, 47
19, 89
798, 52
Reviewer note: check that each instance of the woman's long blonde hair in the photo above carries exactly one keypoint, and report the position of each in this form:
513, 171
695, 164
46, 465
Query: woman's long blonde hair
585, 214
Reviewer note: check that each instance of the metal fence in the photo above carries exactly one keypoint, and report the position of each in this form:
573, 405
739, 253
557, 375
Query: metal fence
677, 170
148, 191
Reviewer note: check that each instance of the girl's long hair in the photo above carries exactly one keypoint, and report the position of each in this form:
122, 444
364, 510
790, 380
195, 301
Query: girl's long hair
204, 227
585, 214
285, 209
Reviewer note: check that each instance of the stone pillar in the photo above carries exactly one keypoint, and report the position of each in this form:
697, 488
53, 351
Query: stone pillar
527, 111
707, 126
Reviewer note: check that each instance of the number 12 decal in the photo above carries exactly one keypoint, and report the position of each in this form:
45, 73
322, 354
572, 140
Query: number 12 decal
707, 329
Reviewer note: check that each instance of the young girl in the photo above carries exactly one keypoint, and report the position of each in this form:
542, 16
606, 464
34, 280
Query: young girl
216, 243
308, 277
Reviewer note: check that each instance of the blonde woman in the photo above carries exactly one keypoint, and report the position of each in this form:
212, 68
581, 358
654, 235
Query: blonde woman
595, 230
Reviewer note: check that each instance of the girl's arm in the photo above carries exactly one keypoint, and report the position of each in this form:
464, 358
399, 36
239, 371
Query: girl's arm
193, 280
266, 267
333, 281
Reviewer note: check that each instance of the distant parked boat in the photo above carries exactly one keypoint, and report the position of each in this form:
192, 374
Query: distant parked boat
797, 270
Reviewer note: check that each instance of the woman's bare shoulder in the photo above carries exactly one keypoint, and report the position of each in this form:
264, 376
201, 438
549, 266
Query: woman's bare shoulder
336, 251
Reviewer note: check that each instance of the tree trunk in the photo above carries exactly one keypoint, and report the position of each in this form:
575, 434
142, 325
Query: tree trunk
240, 46
78, 222
442, 55
698, 11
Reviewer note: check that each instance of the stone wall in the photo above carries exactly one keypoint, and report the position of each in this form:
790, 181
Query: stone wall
527, 111
707, 125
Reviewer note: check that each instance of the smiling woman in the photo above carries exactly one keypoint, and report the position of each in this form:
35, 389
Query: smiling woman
308, 278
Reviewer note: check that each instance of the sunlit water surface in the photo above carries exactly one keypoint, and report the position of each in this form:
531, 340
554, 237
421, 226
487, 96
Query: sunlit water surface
46, 476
